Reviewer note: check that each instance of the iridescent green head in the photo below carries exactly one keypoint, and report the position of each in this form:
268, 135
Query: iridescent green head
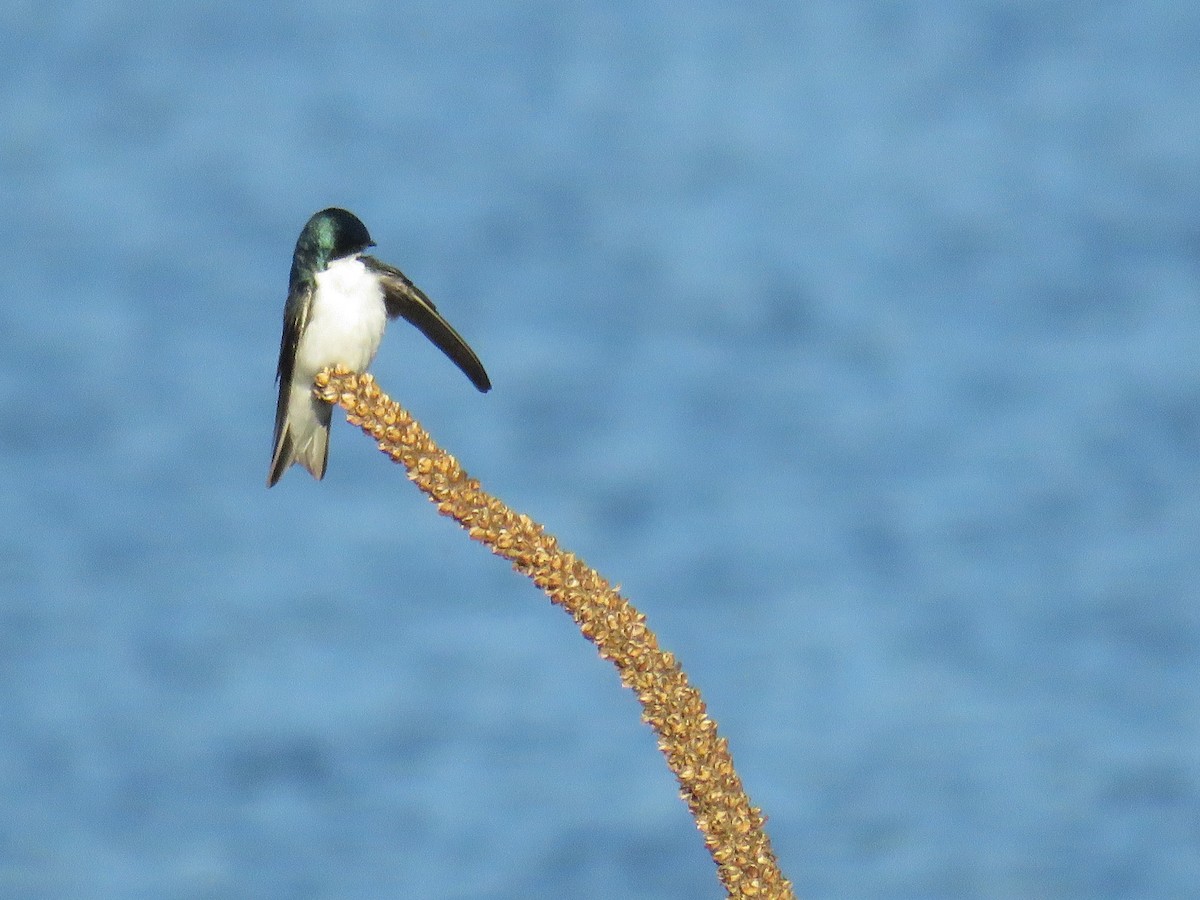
330, 234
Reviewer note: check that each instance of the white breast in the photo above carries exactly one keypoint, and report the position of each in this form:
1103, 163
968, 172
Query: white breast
346, 321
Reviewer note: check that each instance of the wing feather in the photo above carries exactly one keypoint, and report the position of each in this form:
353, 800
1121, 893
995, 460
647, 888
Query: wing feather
405, 299
295, 319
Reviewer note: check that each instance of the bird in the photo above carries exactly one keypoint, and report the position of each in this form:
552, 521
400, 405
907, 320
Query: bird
338, 303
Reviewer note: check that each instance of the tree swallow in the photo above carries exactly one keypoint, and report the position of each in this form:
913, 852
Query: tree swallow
338, 303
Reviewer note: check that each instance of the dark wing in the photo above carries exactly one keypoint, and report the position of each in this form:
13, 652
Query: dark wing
295, 320
403, 298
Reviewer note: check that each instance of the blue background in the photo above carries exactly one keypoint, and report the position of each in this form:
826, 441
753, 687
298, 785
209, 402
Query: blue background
857, 341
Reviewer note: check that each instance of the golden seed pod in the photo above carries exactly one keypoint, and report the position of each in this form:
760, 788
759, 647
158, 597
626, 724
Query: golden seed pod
732, 828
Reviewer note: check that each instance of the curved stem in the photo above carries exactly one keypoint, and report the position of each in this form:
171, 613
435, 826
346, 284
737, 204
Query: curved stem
732, 828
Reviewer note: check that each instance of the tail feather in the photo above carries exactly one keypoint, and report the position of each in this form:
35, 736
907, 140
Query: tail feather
302, 437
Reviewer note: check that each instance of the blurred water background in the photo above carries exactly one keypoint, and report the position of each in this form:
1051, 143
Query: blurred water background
856, 341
